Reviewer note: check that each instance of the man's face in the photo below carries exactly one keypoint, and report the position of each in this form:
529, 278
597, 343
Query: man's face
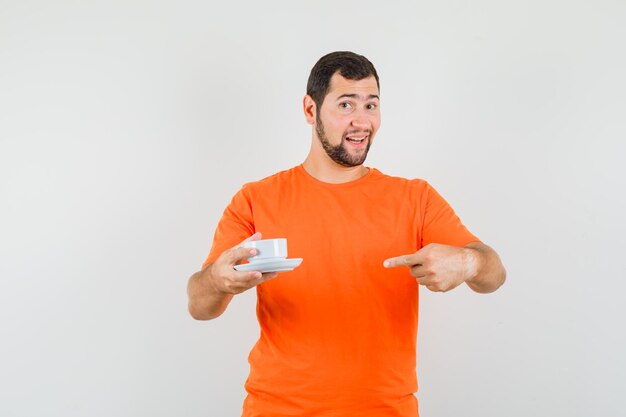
348, 119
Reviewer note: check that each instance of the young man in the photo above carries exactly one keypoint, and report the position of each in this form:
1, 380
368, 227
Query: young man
338, 333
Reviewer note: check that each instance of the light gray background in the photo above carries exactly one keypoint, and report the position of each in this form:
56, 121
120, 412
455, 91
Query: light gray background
126, 127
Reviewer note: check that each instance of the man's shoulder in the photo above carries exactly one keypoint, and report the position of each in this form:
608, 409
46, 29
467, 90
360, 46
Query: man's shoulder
271, 181
394, 180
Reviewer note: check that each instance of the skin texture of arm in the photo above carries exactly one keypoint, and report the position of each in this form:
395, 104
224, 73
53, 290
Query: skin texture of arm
490, 273
441, 268
205, 301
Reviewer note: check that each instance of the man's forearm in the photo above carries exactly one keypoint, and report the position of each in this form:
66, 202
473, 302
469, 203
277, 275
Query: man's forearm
205, 302
490, 273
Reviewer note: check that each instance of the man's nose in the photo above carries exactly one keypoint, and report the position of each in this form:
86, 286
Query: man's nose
361, 122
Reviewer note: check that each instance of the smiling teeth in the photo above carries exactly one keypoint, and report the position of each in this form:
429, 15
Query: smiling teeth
356, 139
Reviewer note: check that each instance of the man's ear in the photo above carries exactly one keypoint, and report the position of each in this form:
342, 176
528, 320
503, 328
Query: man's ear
309, 108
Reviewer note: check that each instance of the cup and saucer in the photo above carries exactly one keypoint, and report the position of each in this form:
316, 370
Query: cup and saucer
271, 257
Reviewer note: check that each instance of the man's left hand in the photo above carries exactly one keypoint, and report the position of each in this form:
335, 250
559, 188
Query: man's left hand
438, 267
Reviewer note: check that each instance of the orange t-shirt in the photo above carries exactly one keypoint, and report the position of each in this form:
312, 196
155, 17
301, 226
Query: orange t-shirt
338, 333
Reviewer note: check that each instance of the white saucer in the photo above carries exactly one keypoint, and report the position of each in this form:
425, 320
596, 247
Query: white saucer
270, 265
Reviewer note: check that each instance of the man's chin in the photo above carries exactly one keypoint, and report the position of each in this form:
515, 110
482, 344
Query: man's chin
357, 156
351, 160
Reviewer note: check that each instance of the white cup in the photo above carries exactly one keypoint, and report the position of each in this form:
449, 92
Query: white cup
267, 249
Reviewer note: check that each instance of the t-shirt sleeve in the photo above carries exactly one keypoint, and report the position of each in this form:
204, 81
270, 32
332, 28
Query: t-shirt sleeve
235, 225
440, 224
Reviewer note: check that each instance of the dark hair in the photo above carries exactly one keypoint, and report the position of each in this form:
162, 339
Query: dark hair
349, 65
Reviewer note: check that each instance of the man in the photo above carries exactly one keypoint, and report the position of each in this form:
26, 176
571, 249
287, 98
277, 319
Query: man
338, 333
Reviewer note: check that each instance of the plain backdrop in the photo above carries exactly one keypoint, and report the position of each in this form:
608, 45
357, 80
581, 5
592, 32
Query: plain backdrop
127, 126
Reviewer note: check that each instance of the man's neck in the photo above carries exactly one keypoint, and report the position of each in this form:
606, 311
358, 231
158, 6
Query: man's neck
327, 170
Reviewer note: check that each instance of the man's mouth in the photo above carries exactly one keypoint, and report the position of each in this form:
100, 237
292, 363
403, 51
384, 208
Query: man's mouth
356, 139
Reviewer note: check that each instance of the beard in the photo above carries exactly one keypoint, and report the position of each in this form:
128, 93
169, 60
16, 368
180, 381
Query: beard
339, 153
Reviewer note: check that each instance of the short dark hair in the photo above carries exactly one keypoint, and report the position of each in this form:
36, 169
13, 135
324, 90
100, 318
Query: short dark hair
349, 65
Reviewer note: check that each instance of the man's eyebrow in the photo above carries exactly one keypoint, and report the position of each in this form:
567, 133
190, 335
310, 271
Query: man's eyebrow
369, 97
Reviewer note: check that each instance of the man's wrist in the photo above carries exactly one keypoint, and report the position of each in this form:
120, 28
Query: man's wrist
473, 261
208, 280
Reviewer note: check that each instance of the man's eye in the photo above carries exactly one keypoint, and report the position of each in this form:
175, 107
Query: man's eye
371, 106
345, 105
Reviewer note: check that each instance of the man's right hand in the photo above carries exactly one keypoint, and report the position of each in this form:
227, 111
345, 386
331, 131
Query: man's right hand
211, 289
226, 280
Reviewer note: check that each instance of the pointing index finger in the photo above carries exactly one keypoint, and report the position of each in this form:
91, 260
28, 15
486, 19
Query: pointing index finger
403, 260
